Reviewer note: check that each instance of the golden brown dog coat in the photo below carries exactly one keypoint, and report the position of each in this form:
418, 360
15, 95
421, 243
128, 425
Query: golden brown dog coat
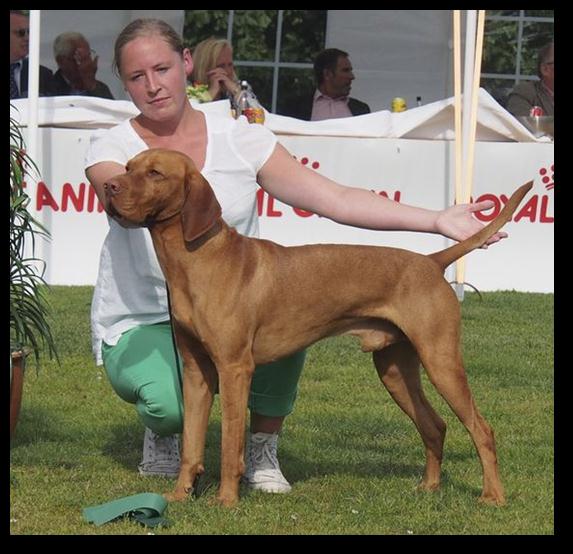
238, 302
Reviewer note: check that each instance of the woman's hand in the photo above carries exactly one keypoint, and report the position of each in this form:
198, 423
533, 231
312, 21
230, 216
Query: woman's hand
458, 222
219, 82
87, 69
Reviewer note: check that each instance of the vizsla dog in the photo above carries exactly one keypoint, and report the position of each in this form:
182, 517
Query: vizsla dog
237, 302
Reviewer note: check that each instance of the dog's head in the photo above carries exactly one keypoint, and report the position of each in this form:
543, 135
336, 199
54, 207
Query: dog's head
158, 185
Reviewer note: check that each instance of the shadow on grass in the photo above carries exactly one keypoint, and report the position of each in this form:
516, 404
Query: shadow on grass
40, 425
331, 454
361, 461
126, 442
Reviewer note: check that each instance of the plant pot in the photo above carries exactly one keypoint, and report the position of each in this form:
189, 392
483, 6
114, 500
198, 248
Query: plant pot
17, 367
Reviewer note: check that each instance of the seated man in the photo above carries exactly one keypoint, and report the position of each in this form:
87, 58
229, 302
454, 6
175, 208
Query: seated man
77, 68
19, 48
331, 100
535, 93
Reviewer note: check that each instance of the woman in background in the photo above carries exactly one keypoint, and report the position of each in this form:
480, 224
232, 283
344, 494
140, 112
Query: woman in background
213, 66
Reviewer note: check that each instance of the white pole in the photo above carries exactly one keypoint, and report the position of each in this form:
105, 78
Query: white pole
33, 85
472, 71
458, 143
468, 82
468, 73
32, 135
458, 164
469, 165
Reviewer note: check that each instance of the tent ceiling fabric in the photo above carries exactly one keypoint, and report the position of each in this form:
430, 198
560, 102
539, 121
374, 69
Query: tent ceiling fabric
394, 52
101, 28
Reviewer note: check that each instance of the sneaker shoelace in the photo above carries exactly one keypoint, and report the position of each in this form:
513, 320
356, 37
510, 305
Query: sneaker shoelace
264, 455
163, 448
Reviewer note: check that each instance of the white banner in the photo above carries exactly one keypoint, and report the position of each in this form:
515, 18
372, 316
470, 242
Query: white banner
415, 172
421, 173
409, 170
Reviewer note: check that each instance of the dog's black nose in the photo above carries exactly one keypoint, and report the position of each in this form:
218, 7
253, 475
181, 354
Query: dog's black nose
111, 187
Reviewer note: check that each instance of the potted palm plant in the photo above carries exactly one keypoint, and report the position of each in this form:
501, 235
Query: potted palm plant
29, 327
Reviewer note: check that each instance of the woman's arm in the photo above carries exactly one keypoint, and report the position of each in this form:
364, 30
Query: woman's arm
97, 175
292, 183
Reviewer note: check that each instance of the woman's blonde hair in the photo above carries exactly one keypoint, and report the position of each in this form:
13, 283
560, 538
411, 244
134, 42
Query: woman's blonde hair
146, 27
205, 56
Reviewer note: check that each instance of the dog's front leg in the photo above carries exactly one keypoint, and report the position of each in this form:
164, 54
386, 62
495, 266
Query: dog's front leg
199, 385
234, 385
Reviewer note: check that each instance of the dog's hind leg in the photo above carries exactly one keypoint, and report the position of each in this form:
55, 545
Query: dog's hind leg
398, 367
441, 356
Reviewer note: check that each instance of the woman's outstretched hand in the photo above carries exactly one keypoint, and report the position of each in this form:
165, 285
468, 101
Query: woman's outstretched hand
458, 222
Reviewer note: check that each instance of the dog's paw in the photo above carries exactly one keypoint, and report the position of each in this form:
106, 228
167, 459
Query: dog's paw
428, 487
492, 500
178, 495
227, 502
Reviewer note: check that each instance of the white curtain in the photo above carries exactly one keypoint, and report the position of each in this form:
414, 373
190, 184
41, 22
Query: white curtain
100, 27
405, 53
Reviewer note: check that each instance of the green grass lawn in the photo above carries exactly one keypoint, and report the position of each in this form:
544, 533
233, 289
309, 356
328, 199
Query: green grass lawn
353, 458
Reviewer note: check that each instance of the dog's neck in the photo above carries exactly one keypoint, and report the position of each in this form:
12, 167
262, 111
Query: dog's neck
169, 243
150, 222
196, 260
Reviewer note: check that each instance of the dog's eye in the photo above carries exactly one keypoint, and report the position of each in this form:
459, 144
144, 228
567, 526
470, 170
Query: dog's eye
154, 173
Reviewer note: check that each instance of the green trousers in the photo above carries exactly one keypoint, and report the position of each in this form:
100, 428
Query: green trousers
142, 370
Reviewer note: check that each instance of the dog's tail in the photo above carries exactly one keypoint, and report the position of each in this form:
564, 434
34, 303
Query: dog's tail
445, 257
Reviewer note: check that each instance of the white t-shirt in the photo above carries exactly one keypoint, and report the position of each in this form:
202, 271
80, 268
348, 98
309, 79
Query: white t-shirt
130, 288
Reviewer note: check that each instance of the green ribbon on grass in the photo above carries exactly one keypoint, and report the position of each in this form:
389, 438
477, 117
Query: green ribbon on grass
146, 508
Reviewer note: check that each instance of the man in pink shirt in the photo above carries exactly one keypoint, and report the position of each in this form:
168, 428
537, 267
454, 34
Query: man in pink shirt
331, 100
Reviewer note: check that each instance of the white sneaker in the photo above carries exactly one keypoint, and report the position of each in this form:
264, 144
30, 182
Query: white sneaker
160, 455
262, 471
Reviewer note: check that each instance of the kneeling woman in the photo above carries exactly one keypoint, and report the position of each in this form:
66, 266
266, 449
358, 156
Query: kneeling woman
130, 317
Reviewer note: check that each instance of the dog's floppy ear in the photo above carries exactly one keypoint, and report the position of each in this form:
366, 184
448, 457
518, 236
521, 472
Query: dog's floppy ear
201, 210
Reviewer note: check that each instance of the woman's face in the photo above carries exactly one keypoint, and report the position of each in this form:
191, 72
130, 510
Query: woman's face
154, 75
225, 62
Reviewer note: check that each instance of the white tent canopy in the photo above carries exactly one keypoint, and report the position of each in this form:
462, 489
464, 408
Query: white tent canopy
404, 53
